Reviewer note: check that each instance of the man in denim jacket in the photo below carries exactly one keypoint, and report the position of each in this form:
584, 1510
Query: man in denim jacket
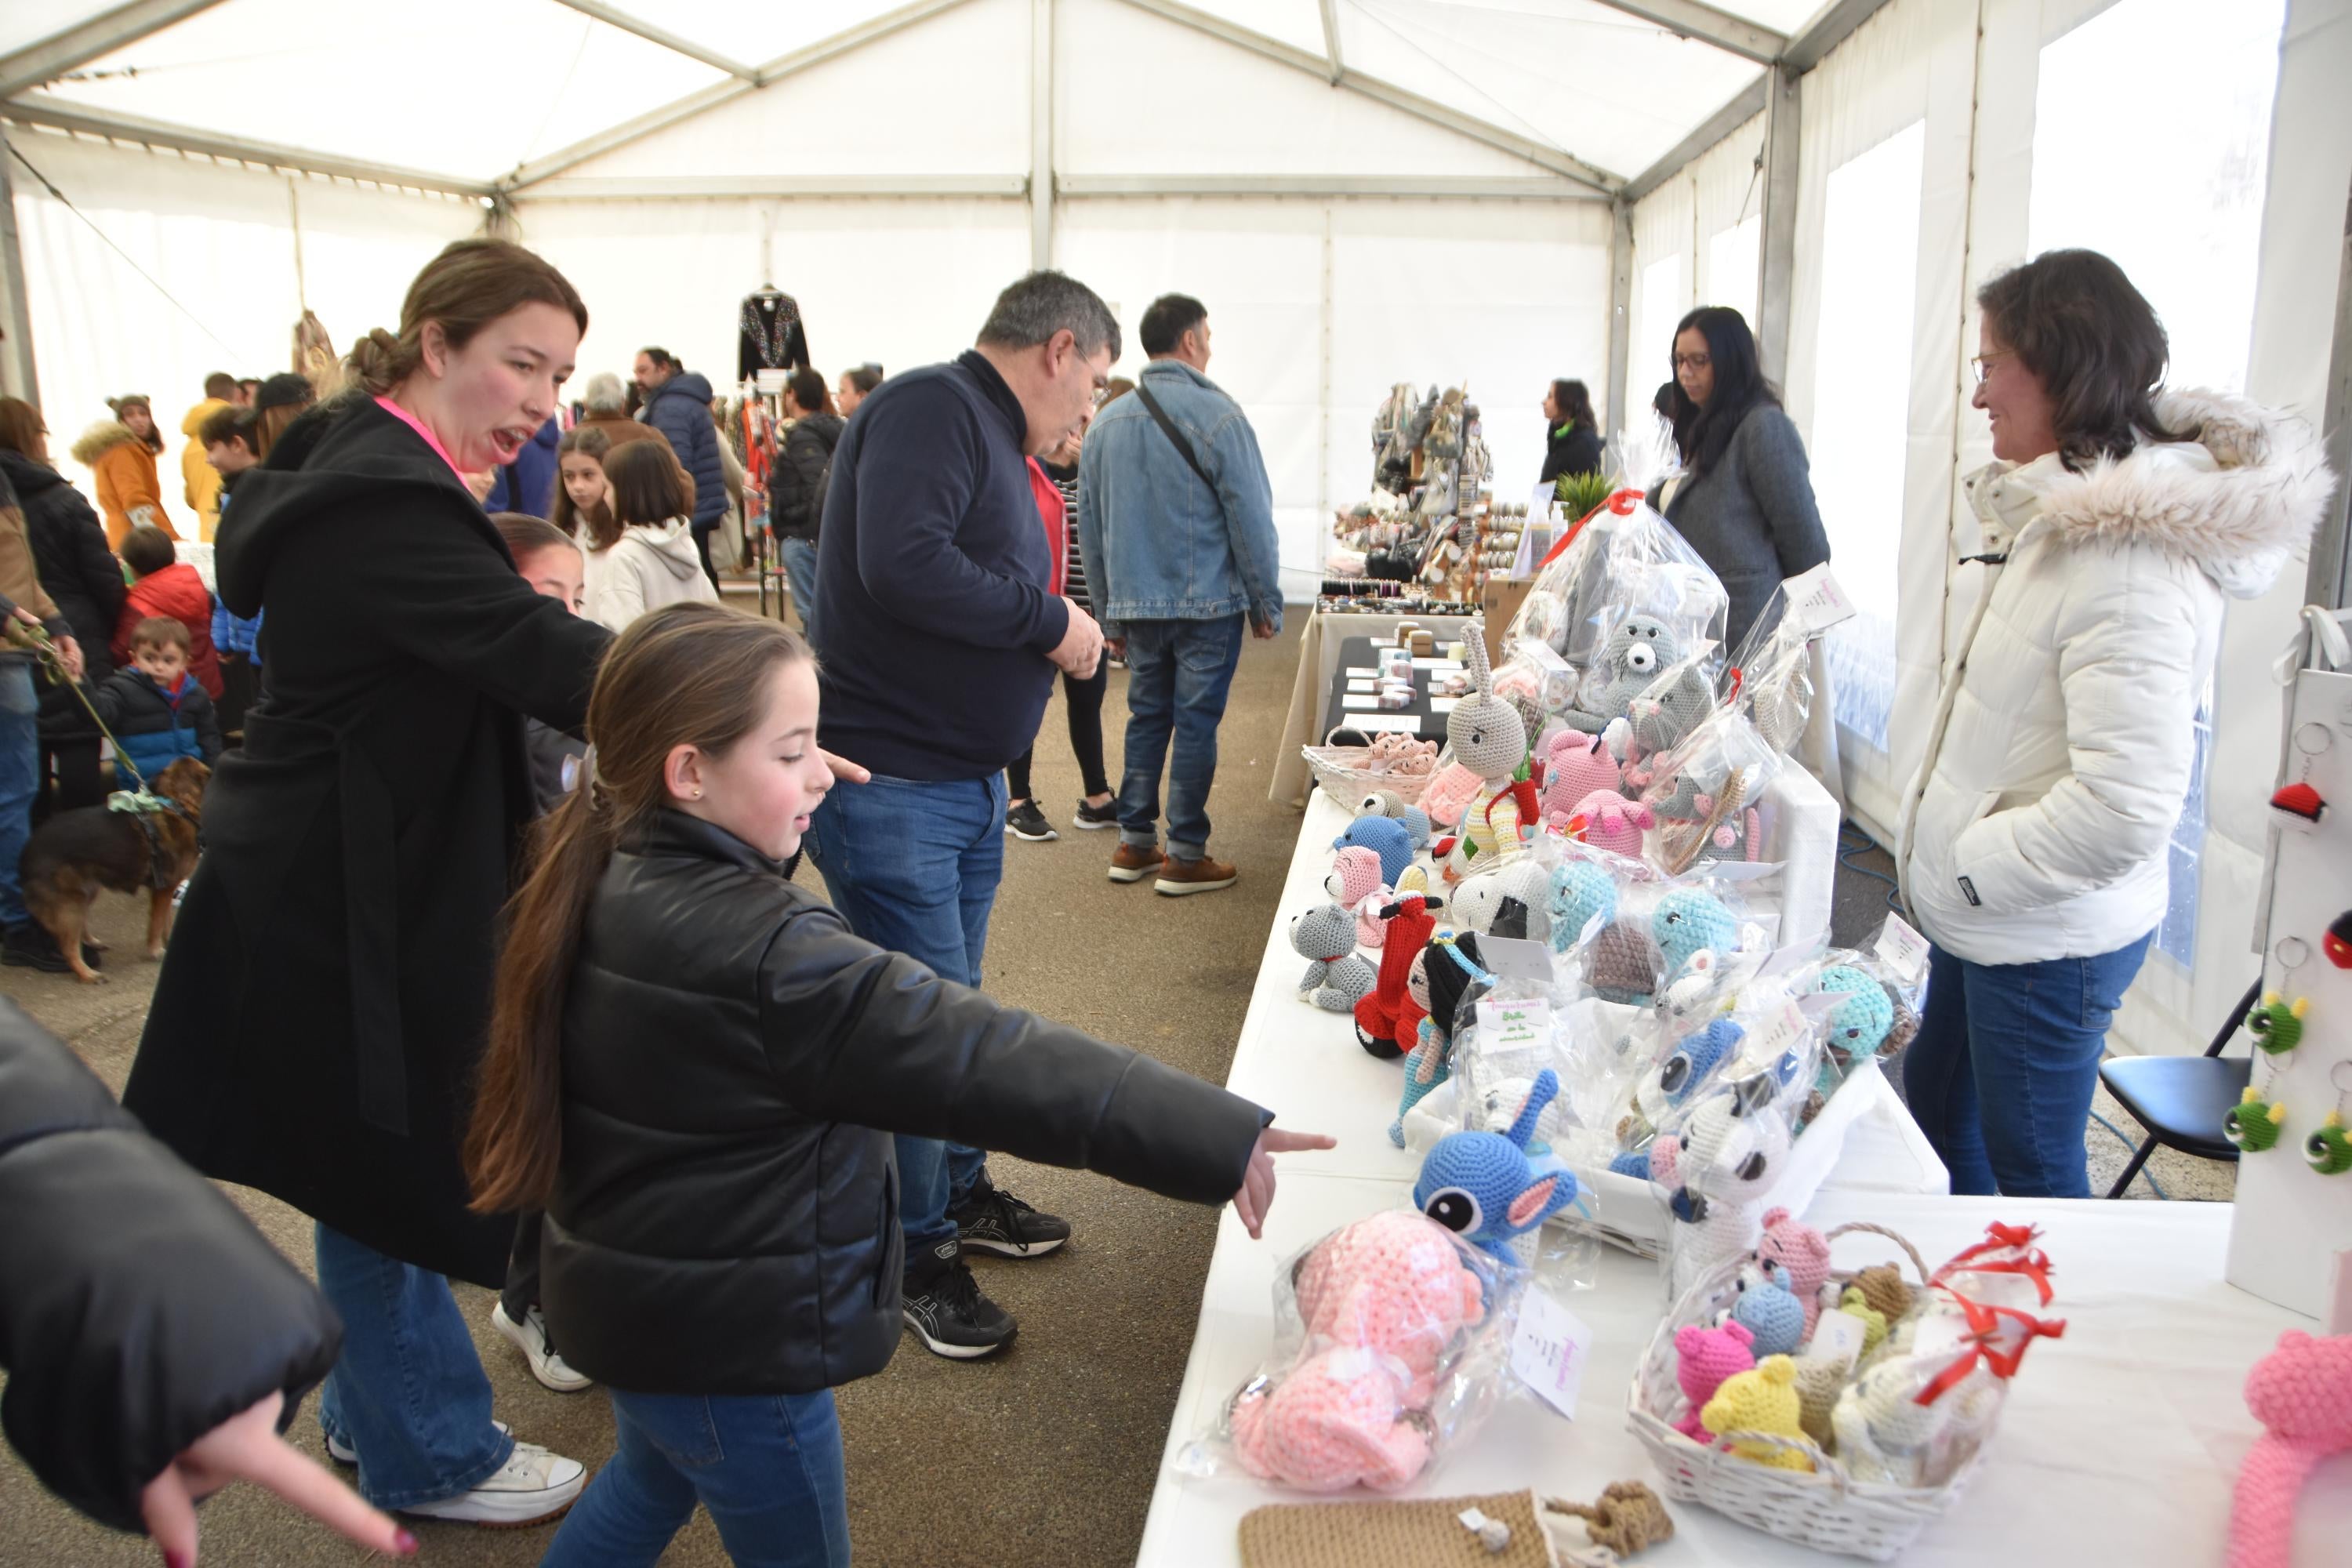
1176, 526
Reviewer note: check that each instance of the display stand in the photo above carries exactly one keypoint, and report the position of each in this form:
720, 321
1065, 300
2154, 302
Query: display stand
1318, 660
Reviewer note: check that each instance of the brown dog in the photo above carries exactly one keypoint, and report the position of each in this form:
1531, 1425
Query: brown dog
75, 853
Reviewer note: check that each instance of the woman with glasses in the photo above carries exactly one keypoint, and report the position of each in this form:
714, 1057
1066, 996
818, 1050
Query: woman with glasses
1745, 500
2118, 518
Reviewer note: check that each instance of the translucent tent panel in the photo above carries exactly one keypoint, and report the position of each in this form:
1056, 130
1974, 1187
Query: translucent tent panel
388, 84
24, 22
1789, 17
1299, 23
752, 32
1610, 89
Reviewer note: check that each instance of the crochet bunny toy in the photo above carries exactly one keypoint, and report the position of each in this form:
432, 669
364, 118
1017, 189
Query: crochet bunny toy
1764, 1402
1803, 1253
1575, 767
1355, 881
1514, 901
1581, 893
1480, 1185
1607, 820
1490, 739
2302, 1393
1771, 1311
1704, 1357
1336, 979
1395, 1283
1444, 979
1635, 653
1384, 837
1388, 1013
1725, 1161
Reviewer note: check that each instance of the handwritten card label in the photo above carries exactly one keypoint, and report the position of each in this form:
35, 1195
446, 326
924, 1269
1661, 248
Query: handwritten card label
1406, 723
1367, 684
1837, 1337
1550, 1351
1355, 700
1903, 950
1816, 602
1513, 1024
1444, 704
1362, 672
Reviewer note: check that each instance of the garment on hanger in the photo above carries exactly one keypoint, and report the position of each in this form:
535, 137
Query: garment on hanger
770, 335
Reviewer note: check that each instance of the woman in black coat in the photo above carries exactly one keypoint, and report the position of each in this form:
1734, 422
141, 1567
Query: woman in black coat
70, 557
1572, 444
317, 1025
153, 1339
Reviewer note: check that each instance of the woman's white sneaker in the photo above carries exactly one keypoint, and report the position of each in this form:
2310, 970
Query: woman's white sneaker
529, 1336
343, 1453
531, 1488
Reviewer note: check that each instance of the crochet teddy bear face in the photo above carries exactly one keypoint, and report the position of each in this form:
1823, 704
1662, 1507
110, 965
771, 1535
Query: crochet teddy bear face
1354, 875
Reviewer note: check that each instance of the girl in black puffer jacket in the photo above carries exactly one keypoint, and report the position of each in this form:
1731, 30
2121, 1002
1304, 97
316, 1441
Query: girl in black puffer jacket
696, 1067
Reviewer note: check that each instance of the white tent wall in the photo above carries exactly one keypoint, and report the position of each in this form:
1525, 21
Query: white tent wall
1683, 222
222, 239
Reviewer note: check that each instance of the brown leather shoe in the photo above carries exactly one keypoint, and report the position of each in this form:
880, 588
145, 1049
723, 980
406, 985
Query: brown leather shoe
1178, 878
1130, 863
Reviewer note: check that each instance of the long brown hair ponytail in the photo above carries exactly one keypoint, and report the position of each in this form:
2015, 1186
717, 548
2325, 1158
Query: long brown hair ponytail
689, 674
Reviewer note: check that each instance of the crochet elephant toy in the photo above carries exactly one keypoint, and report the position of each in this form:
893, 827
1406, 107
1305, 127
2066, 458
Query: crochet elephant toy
1480, 1184
1581, 893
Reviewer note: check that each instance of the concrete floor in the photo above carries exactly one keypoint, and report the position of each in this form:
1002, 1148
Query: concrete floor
1046, 1456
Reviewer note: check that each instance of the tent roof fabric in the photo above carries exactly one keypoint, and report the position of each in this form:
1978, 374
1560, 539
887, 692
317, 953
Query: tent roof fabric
484, 94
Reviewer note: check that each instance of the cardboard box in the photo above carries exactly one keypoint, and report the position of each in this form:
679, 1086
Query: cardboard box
1499, 601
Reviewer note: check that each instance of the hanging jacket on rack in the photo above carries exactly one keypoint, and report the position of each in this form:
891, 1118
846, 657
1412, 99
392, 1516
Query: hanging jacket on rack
768, 334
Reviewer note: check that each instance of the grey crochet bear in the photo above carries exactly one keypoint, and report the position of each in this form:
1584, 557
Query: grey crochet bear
1336, 979
1642, 648
1665, 712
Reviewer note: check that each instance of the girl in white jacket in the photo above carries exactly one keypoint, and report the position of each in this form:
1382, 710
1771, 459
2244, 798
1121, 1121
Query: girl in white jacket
2117, 519
643, 556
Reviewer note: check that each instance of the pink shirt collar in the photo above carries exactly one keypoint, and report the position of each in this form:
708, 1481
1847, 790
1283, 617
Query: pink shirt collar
405, 417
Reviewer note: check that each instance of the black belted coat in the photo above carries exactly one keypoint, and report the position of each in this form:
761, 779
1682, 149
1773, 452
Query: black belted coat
321, 1010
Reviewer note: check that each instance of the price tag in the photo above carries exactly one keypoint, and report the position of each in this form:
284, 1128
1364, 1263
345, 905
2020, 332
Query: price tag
1367, 684
1444, 704
1437, 664
1779, 1036
1406, 723
1816, 601
1550, 1350
1362, 672
1507, 1023
1383, 642
1837, 1337
1354, 699
1515, 958
1903, 950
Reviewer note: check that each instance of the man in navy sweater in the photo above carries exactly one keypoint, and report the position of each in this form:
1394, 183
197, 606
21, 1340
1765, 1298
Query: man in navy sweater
941, 637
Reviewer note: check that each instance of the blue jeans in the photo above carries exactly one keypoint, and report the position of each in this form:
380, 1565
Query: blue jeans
912, 864
767, 1466
800, 570
2002, 1074
408, 1392
20, 779
1179, 674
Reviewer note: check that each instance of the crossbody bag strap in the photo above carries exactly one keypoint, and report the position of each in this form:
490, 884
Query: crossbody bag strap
1183, 447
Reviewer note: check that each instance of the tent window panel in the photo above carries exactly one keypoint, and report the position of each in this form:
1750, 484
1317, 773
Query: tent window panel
1663, 297
2186, 227
1733, 259
1870, 245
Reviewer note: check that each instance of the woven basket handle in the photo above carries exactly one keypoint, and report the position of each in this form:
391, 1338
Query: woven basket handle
1823, 1464
1867, 1227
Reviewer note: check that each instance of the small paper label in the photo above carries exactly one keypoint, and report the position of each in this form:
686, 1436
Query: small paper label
1444, 704
1367, 683
1383, 642
1515, 958
1903, 950
1549, 1350
1507, 1023
1362, 671
1781, 1035
1816, 601
1837, 1337
1437, 664
1407, 723
1354, 701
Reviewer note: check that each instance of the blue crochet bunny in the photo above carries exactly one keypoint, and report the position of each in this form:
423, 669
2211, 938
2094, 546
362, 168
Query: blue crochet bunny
1480, 1184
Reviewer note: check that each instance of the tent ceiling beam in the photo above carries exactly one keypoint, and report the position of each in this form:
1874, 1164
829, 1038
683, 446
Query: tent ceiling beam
1720, 124
236, 148
1331, 63
1776, 273
1041, 134
710, 97
1439, 114
1829, 29
612, 16
1721, 30
46, 59
720, 187
16, 307
1505, 187
1620, 313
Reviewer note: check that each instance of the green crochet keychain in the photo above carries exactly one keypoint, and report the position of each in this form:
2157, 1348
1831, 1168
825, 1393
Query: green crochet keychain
2275, 1026
2253, 1124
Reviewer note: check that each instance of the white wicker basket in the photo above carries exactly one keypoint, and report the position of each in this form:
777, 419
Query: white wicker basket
1346, 777
1827, 1509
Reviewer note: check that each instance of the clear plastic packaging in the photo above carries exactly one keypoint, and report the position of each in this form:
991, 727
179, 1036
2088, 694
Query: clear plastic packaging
1770, 676
1703, 790
1392, 1347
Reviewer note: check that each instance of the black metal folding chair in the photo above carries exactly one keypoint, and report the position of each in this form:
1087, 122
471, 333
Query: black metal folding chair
2181, 1100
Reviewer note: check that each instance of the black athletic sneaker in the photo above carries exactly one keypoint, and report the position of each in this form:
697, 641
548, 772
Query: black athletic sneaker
1094, 819
27, 946
1026, 821
950, 1315
992, 1220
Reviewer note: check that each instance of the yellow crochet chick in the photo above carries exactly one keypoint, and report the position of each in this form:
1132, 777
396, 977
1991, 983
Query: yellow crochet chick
1874, 1321
1765, 1401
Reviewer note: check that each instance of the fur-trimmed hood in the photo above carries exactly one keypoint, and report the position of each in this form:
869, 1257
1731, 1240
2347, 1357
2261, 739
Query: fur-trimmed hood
102, 439
2241, 501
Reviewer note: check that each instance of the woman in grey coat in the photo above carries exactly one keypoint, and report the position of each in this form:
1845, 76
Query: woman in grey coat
1744, 501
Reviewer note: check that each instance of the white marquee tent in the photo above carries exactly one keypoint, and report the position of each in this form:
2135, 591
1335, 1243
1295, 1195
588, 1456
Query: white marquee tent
1494, 192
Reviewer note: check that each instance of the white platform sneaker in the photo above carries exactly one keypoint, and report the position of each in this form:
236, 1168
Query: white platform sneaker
533, 1487
529, 1336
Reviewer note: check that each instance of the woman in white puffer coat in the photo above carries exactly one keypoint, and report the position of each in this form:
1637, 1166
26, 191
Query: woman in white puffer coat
2117, 520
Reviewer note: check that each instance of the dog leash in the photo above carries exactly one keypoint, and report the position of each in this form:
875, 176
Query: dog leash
37, 639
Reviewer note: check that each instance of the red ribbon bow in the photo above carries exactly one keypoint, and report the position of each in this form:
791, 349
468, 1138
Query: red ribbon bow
1623, 503
2030, 1260
1998, 1336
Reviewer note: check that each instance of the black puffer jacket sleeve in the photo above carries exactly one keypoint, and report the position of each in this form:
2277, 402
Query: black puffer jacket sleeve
139, 1309
800, 481
858, 1033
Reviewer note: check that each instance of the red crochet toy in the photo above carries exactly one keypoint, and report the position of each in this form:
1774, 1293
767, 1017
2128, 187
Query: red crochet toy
2302, 1393
1388, 1016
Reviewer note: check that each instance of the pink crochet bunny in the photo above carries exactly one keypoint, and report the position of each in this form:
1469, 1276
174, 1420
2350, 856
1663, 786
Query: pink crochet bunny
1355, 882
1576, 766
1703, 1359
1335, 1420
1804, 1252
1612, 822
1394, 1283
2302, 1393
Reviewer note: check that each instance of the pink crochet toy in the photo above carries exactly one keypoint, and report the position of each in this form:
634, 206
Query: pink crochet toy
1394, 1283
1575, 767
1612, 822
2302, 1393
1355, 882
1804, 1252
1448, 796
1403, 755
1703, 1359
1335, 1420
